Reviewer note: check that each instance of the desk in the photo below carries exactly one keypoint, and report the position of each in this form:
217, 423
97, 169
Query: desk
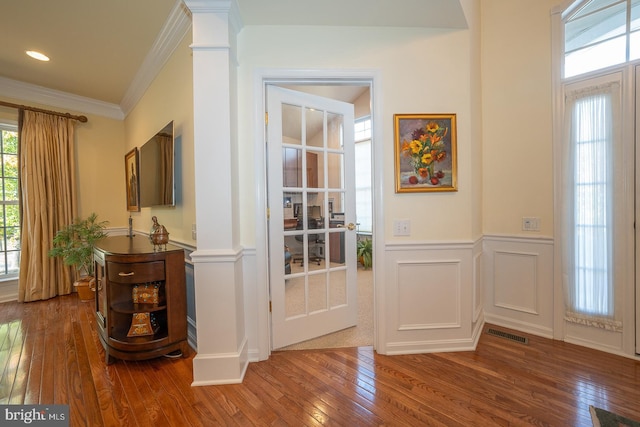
290, 223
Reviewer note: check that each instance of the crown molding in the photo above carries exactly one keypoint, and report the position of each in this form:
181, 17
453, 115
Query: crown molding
172, 33
27, 92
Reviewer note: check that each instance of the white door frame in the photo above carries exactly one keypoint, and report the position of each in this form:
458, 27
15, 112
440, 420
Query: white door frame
262, 77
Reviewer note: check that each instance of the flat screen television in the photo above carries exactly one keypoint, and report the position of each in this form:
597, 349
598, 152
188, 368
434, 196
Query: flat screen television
157, 183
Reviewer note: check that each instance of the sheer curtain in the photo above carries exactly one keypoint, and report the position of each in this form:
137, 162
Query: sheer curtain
592, 141
48, 202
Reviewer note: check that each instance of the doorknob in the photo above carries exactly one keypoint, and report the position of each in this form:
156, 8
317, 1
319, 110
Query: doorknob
351, 226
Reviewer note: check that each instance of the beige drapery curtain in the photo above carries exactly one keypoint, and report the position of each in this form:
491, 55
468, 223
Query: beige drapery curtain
48, 202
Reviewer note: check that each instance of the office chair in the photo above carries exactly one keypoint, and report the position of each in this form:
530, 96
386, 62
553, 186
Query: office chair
313, 239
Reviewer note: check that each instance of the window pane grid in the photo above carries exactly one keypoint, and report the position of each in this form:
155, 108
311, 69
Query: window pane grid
362, 129
600, 35
9, 209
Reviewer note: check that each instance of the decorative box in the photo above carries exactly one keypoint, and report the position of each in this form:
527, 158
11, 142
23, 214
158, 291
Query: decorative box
145, 294
140, 325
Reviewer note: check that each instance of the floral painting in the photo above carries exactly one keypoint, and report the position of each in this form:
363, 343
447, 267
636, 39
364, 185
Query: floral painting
425, 150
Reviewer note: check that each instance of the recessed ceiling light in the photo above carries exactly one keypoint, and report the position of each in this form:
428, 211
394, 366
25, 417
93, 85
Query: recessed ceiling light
37, 55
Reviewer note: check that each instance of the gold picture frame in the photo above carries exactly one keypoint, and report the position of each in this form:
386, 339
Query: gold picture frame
425, 152
132, 180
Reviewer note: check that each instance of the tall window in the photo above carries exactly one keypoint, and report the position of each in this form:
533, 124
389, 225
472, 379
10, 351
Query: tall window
599, 34
10, 214
592, 118
363, 175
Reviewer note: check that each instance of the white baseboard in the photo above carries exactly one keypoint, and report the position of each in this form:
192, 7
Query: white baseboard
518, 325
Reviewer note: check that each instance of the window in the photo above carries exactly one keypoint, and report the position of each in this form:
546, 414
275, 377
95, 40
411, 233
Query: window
599, 34
363, 129
10, 215
363, 175
591, 189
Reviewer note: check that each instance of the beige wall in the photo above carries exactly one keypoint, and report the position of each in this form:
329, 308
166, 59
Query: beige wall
422, 71
516, 109
99, 144
101, 184
102, 143
170, 97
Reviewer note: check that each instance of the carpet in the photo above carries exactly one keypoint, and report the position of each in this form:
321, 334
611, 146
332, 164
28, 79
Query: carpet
602, 418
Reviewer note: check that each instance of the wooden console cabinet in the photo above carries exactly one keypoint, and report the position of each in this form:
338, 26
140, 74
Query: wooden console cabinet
127, 265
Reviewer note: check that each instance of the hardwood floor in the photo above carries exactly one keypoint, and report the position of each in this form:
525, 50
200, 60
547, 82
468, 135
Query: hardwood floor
50, 353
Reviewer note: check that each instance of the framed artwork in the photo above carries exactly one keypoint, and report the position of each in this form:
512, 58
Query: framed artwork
425, 152
132, 178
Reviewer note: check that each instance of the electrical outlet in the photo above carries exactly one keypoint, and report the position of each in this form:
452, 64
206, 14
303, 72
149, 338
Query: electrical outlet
402, 227
530, 224
193, 231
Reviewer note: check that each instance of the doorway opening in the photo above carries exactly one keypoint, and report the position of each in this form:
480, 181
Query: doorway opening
358, 94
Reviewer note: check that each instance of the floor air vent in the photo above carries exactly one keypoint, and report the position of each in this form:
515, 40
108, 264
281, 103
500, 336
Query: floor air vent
507, 335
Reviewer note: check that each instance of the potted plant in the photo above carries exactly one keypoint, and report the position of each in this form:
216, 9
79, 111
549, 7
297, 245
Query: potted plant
74, 244
365, 253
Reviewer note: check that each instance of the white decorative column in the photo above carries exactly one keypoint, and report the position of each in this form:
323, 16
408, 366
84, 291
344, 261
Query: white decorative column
222, 342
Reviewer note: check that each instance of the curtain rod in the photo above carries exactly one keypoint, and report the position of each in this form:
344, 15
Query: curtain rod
82, 119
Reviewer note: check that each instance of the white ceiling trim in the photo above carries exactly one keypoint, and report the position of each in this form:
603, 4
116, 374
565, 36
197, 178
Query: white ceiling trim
172, 33
174, 30
41, 95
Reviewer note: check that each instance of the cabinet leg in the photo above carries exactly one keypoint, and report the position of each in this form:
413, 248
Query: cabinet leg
108, 358
184, 348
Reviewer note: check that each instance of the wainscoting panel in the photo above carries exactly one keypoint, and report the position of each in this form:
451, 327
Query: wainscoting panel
429, 297
191, 305
252, 304
516, 281
518, 277
418, 282
478, 288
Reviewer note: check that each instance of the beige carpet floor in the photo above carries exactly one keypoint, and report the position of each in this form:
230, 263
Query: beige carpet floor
356, 336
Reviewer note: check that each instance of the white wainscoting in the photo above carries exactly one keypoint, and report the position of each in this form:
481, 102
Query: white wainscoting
437, 296
252, 297
519, 283
418, 282
432, 297
192, 335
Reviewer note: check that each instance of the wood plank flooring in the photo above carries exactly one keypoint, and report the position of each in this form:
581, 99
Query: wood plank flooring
50, 353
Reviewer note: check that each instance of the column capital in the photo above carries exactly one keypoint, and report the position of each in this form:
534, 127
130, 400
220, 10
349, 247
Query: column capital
217, 7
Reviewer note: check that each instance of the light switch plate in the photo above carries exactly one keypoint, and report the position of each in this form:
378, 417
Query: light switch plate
402, 227
531, 224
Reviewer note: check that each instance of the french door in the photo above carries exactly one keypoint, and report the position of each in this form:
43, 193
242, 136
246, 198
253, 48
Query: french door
311, 197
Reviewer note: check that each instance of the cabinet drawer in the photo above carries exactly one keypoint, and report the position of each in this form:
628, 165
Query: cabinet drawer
139, 272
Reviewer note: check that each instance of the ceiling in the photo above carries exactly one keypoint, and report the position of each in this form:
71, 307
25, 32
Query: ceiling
97, 48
